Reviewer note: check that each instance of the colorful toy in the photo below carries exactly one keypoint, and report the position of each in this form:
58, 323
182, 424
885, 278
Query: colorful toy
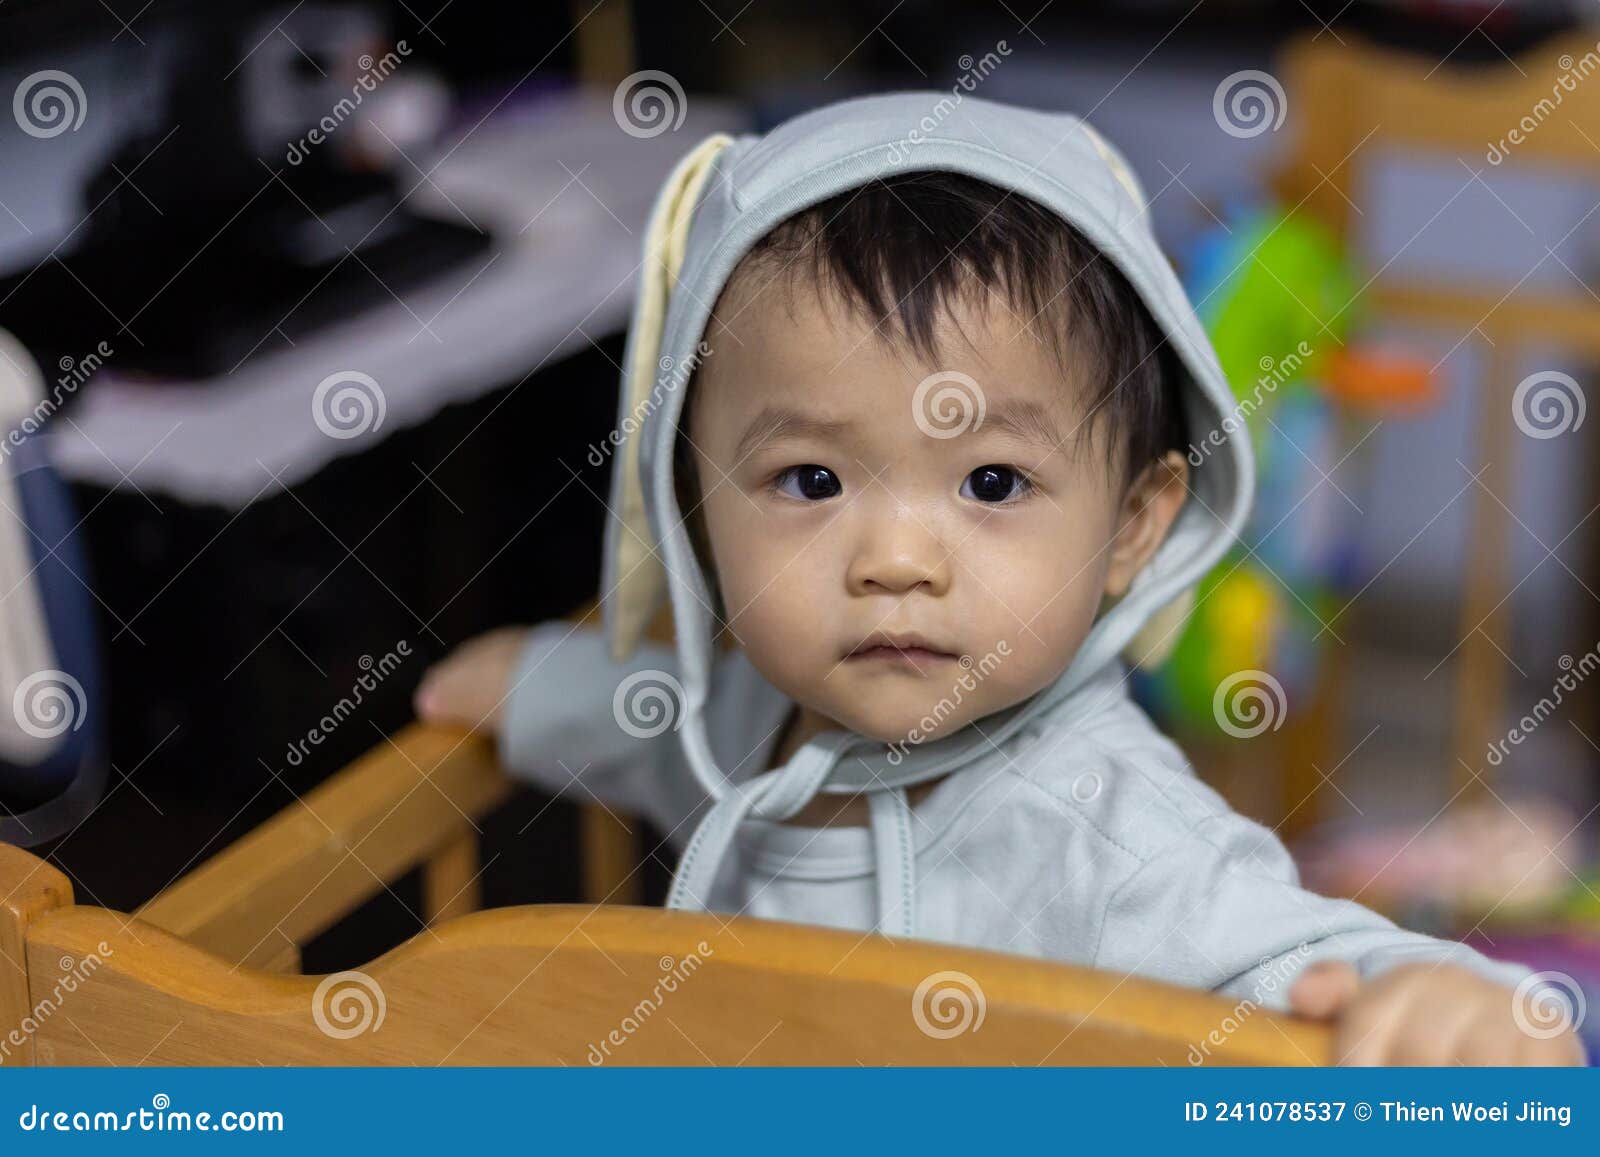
1261, 286
1279, 302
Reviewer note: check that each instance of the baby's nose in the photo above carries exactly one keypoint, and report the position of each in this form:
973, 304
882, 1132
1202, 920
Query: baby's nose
899, 554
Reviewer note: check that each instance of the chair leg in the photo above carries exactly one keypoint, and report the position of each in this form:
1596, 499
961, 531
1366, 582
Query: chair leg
29, 888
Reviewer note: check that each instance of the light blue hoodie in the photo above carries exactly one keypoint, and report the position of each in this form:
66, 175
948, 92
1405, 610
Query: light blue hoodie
1067, 826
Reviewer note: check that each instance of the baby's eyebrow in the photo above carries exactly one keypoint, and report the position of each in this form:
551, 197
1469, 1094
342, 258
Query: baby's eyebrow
1025, 420
775, 423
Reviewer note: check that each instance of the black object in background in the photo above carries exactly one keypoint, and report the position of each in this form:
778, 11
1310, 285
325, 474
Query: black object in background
229, 635
195, 230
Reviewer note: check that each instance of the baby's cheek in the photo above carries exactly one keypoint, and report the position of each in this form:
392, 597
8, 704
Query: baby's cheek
778, 607
1032, 656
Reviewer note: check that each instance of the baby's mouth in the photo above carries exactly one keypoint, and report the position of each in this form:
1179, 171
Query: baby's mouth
907, 651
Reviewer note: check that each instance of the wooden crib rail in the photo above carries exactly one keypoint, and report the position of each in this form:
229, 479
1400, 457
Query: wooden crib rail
578, 985
206, 973
415, 798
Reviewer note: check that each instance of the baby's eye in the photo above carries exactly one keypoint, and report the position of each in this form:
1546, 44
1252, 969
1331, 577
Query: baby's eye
812, 482
994, 484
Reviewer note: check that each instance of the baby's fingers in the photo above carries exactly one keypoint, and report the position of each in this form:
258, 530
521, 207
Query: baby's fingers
429, 700
1387, 1023
1323, 988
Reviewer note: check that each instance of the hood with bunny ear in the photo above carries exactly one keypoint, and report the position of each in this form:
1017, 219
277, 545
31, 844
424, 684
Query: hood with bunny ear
722, 198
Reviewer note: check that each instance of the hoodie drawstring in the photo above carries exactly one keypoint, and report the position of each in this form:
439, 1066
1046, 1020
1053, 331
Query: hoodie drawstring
780, 794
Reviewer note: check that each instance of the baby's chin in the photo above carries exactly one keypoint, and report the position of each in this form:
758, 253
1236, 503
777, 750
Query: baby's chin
906, 718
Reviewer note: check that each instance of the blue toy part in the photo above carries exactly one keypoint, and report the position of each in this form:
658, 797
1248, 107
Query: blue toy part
52, 763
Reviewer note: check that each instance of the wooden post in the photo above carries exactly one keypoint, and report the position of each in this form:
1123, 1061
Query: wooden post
450, 879
604, 42
29, 888
1481, 676
610, 859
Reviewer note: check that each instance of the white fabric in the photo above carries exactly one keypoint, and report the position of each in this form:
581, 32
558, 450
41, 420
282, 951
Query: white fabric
25, 648
564, 191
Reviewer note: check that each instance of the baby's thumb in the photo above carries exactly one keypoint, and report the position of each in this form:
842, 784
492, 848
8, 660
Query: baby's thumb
426, 700
1323, 988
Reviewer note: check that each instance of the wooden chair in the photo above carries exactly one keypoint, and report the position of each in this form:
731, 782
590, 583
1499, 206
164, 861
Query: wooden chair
1351, 102
207, 972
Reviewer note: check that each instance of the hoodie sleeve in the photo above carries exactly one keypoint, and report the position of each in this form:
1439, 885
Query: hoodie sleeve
1220, 907
580, 724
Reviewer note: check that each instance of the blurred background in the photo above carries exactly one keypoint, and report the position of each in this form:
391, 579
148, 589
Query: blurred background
312, 312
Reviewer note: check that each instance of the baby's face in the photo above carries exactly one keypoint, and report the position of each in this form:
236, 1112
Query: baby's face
842, 503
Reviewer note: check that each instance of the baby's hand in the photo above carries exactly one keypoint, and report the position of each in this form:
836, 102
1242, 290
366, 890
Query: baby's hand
471, 684
1423, 1014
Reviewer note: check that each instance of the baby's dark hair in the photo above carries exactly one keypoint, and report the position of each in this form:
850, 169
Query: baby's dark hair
904, 248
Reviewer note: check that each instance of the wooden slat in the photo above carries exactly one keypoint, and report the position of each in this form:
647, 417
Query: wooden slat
323, 855
450, 879
29, 888
1340, 92
609, 847
1571, 320
583, 985
605, 42
1482, 676
611, 854
287, 959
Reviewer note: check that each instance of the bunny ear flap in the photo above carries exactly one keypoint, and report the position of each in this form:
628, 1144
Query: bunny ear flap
1116, 163
1153, 643
639, 581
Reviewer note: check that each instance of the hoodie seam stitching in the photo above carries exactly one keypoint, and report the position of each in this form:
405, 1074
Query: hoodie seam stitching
745, 207
1076, 807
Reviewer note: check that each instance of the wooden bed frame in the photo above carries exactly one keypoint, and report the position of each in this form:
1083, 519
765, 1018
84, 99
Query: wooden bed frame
207, 973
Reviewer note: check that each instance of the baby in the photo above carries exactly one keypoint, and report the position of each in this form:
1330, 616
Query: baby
905, 436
